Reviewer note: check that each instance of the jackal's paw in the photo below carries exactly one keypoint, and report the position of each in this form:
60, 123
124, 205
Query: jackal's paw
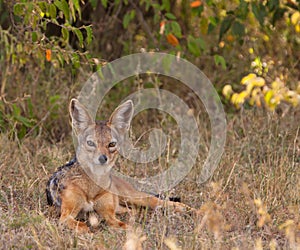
93, 220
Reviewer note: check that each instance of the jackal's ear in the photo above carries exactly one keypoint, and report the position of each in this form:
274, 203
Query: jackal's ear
80, 116
121, 117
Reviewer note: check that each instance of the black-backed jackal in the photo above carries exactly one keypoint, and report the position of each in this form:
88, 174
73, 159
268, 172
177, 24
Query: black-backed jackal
71, 188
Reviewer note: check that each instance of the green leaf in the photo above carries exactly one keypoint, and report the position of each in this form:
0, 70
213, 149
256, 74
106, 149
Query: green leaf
193, 46
176, 29
238, 29
16, 110
27, 15
77, 7
43, 6
65, 34
170, 16
126, 20
225, 26
52, 11
259, 12
30, 108
132, 14
220, 60
89, 34
93, 3
34, 36
75, 61
72, 10
157, 7
212, 20
53, 99
201, 43
25, 121
272, 4
21, 132
243, 10
79, 36
60, 58
166, 5
19, 9
63, 6
104, 3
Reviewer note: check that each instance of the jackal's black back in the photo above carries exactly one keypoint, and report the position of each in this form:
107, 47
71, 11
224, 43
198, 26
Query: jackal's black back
54, 186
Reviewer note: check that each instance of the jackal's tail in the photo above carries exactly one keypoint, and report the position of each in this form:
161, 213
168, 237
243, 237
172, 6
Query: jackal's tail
53, 185
172, 198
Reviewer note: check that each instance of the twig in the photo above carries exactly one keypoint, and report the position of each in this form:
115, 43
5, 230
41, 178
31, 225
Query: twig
144, 25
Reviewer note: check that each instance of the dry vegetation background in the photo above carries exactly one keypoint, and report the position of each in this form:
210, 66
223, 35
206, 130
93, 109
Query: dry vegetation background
251, 201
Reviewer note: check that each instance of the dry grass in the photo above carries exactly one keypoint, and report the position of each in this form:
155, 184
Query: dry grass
251, 201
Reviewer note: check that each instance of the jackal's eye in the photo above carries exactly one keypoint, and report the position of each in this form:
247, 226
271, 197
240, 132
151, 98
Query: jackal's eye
112, 144
90, 143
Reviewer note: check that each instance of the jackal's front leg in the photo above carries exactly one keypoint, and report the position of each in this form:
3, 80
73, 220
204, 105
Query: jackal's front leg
72, 204
107, 206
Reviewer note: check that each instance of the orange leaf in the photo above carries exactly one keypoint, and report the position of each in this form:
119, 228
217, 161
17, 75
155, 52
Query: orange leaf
48, 55
172, 40
195, 4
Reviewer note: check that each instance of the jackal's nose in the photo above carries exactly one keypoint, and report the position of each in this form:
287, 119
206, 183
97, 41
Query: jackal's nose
102, 159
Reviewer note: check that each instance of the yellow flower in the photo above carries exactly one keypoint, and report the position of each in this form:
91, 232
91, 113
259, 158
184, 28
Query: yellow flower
242, 96
239, 99
258, 81
257, 101
266, 38
256, 92
247, 78
271, 104
234, 98
295, 18
249, 87
227, 91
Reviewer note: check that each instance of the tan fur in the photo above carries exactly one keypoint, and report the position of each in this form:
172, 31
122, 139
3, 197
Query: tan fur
80, 192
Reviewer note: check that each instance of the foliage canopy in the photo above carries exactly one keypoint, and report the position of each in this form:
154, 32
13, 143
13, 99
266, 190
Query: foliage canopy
252, 45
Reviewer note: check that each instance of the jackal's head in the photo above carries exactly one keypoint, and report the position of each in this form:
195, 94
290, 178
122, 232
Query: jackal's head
99, 142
